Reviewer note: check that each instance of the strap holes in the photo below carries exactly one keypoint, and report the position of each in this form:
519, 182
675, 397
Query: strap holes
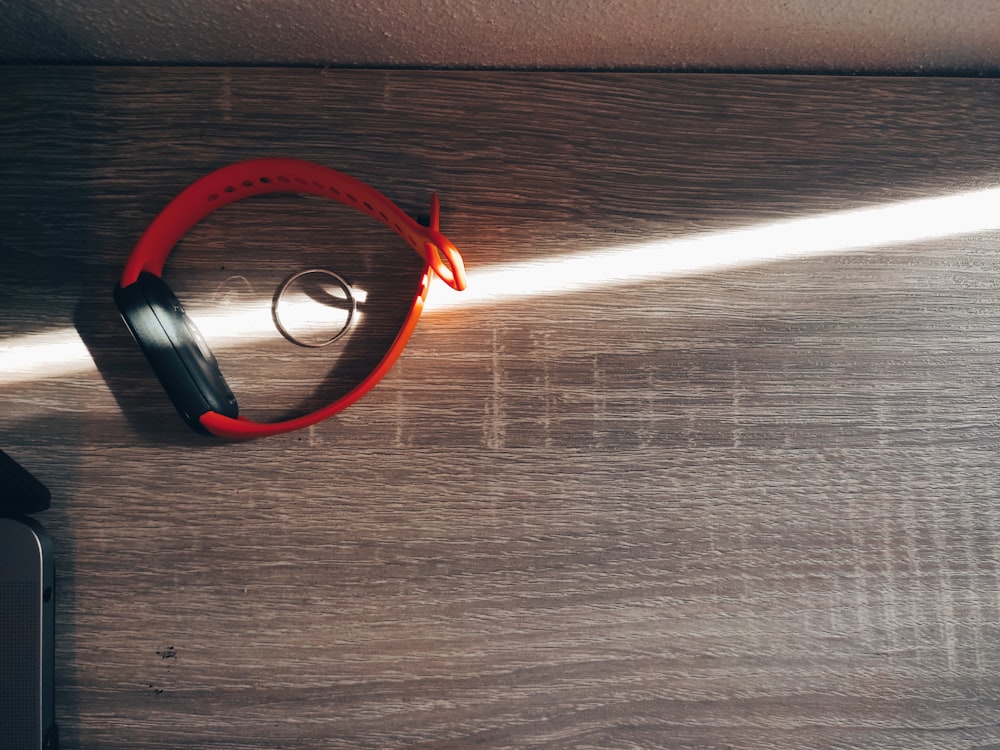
247, 183
301, 181
265, 180
282, 178
334, 190
213, 197
369, 206
384, 217
230, 189
317, 184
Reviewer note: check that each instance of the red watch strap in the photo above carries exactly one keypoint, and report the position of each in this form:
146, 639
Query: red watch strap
261, 176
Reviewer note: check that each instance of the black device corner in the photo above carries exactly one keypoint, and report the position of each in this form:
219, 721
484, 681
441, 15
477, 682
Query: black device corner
20, 491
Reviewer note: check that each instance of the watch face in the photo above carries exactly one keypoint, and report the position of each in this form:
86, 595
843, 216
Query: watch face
175, 348
187, 332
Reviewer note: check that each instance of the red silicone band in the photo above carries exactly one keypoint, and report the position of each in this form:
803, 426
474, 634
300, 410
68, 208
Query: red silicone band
262, 176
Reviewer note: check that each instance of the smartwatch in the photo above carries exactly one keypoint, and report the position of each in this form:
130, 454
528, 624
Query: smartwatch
183, 362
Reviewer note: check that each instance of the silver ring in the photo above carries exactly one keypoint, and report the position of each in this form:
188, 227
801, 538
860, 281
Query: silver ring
349, 303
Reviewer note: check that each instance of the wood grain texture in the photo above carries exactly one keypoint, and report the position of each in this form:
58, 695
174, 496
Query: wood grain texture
751, 508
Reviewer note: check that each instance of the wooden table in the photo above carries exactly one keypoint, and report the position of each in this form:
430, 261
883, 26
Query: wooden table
681, 469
